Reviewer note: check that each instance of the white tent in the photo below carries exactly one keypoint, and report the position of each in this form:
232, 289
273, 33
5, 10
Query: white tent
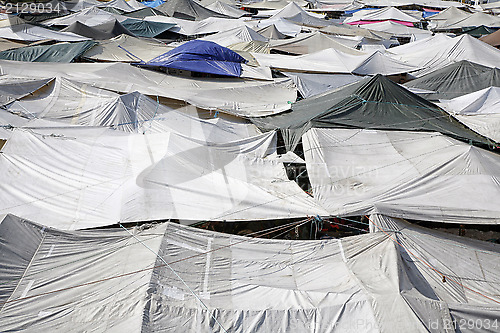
227, 9
191, 28
237, 35
284, 26
451, 14
479, 111
125, 48
125, 6
383, 14
333, 61
314, 42
423, 176
91, 16
176, 278
473, 20
237, 96
400, 30
439, 51
96, 177
68, 102
32, 33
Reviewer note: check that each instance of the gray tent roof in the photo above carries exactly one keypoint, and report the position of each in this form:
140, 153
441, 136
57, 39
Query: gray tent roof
271, 32
188, 10
249, 284
376, 103
144, 12
106, 30
64, 52
141, 28
456, 80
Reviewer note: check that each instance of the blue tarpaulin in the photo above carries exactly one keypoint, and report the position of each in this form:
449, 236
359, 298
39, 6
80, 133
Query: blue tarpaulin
153, 4
203, 57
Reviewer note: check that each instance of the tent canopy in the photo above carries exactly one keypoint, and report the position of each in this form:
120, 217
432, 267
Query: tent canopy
455, 80
366, 281
420, 176
201, 56
64, 52
102, 31
375, 103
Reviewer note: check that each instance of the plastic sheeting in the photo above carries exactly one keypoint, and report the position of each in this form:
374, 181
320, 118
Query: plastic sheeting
314, 84
366, 283
126, 48
422, 176
383, 14
14, 88
492, 39
90, 178
231, 95
68, 103
66, 52
473, 20
235, 36
375, 103
439, 51
227, 9
455, 80
141, 28
31, 33
102, 31
399, 30
335, 61
314, 42
271, 32
201, 56
91, 16
203, 27
187, 10
479, 110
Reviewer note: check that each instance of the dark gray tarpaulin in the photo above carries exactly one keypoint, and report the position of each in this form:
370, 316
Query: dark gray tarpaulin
64, 52
376, 103
457, 79
144, 12
141, 28
106, 30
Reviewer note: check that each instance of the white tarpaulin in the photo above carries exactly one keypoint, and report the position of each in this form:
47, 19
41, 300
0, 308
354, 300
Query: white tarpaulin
479, 111
203, 27
67, 103
227, 9
125, 48
233, 95
383, 14
32, 33
365, 283
424, 176
234, 36
97, 177
91, 16
314, 42
439, 51
334, 61
399, 30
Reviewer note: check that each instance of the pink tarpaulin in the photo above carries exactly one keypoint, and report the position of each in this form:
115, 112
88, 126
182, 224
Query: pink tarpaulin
408, 24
